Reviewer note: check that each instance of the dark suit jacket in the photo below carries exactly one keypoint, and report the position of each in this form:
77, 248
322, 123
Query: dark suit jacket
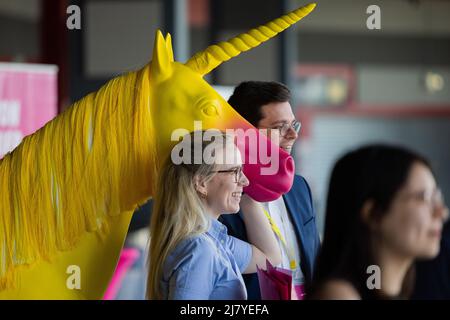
300, 208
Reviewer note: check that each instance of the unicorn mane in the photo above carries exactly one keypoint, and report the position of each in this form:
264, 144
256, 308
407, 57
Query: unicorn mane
75, 173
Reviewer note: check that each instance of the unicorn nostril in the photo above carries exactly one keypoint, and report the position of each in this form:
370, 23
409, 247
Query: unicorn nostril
290, 164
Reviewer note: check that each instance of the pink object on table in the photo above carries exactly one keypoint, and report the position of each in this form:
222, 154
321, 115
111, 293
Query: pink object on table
275, 283
127, 257
300, 292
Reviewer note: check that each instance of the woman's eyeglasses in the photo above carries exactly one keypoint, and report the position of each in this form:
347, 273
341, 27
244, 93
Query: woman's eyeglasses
237, 173
434, 199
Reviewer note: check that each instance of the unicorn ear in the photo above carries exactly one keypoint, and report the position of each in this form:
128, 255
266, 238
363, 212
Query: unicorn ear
169, 47
161, 62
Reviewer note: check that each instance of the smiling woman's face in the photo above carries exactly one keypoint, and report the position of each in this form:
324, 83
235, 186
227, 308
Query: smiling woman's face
223, 192
412, 226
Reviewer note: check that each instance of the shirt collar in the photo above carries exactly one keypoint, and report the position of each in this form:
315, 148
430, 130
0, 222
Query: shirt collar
217, 230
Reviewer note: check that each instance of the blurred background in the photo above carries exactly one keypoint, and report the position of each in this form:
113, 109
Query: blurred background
351, 85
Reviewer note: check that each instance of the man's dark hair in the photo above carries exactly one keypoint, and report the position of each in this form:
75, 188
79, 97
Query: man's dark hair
249, 96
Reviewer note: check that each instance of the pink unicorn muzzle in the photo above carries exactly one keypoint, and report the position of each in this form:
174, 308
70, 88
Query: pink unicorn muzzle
269, 168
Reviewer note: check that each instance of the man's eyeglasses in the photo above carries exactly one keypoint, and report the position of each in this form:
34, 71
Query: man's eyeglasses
284, 128
237, 173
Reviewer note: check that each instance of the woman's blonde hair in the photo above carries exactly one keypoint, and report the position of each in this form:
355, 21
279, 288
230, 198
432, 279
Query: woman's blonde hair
178, 212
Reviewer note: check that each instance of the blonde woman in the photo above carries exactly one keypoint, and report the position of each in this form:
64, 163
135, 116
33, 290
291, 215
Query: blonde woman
191, 255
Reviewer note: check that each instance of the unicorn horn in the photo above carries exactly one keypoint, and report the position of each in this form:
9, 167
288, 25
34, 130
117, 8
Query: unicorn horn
207, 60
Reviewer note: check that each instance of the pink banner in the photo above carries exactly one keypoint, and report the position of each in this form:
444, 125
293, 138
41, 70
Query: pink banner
28, 100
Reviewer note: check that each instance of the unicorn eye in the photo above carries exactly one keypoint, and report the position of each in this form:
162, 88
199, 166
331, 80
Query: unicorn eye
211, 111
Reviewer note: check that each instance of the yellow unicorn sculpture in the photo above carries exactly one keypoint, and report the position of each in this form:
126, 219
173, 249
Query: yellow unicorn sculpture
67, 192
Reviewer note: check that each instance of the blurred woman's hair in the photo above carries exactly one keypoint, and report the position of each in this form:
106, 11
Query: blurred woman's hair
373, 173
178, 212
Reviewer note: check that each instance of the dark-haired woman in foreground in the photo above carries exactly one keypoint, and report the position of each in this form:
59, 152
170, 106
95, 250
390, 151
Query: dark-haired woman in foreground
384, 210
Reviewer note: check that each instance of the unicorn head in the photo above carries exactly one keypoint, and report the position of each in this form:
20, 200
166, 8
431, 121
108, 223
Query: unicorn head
182, 97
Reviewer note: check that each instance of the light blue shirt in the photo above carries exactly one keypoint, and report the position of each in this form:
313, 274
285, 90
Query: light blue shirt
207, 267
